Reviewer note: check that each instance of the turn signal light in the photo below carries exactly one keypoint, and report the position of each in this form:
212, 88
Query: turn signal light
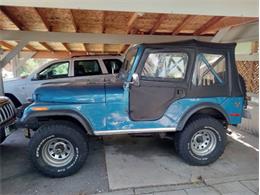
40, 108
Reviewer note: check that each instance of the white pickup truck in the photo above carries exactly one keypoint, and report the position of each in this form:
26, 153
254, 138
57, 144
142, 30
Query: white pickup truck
20, 90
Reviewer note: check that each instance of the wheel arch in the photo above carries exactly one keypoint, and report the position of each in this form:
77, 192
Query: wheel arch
14, 99
210, 109
33, 120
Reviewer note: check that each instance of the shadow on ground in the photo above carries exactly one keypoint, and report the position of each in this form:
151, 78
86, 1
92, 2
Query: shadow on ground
18, 177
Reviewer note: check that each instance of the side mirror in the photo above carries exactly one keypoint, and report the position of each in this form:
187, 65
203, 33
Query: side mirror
135, 79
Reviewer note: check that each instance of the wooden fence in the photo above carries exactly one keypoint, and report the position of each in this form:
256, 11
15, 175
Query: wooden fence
250, 72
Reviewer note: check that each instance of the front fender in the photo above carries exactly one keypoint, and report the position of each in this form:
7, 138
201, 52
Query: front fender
30, 118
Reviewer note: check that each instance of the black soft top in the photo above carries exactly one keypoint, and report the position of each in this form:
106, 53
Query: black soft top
190, 43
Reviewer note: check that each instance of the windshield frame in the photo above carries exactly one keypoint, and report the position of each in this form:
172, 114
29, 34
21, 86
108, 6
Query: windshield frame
128, 63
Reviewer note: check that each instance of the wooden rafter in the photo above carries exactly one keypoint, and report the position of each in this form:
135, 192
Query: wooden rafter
46, 46
28, 46
7, 45
104, 22
85, 47
124, 48
186, 20
157, 23
13, 19
20, 26
74, 23
66, 46
76, 27
131, 22
208, 24
44, 20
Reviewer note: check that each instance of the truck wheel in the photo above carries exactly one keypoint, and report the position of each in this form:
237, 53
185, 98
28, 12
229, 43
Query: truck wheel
202, 141
2, 134
58, 150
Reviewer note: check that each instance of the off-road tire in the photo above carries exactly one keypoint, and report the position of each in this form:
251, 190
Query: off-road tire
2, 135
184, 137
63, 130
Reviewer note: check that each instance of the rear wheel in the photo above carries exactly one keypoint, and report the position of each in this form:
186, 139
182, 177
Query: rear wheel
202, 141
58, 150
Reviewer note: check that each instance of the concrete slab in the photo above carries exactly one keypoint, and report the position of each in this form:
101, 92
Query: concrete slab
137, 162
252, 185
179, 192
18, 177
233, 188
147, 190
202, 191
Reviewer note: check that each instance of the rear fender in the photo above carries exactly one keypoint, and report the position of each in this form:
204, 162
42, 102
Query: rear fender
190, 112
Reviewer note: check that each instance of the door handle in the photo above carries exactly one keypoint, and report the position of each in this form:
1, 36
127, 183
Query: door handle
180, 92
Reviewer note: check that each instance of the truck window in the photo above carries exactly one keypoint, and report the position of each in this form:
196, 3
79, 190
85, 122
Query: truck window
210, 69
109, 64
86, 68
54, 71
167, 65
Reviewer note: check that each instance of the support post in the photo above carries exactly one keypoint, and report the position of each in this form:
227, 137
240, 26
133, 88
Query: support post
7, 59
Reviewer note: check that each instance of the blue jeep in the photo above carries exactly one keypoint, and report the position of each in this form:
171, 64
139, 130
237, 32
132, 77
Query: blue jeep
189, 91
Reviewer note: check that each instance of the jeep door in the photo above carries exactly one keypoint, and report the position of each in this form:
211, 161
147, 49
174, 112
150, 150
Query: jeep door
163, 75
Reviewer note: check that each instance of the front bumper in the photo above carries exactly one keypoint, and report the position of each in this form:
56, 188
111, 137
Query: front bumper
10, 129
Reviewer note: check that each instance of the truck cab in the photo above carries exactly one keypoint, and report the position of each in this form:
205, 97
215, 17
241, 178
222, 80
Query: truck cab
189, 90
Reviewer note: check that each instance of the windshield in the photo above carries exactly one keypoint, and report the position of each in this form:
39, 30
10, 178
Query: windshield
128, 62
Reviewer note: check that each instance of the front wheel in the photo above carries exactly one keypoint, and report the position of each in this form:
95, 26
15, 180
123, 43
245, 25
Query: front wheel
58, 150
202, 141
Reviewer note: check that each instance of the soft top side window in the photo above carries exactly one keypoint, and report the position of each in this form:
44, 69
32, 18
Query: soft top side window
210, 69
165, 65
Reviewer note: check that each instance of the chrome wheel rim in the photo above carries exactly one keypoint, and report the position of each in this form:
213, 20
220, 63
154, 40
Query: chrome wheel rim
203, 142
57, 152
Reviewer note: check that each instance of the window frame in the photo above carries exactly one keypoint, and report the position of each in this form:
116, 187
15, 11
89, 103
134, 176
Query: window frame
115, 59
145, 78
98, 62
217, 84
52, 64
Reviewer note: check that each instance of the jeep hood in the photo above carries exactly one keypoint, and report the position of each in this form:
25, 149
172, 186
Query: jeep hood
73, 92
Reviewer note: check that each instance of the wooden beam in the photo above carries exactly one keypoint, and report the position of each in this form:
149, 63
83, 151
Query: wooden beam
208, 24
157, 23
7, 45
124, 48
58, 54
85, 47
131, 22
104, 22
13, 53
66, 46
186, 20
12, 18
254, 46
72, 37
44, 20
30, 47
246, 8
74, 23
45, 45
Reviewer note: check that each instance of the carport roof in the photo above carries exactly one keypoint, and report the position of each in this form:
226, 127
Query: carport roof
106, 22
